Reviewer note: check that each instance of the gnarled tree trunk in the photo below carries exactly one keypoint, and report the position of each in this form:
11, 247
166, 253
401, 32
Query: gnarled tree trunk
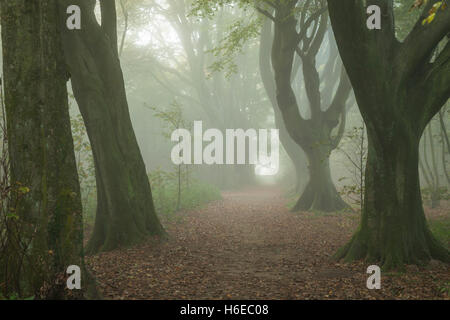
320, 193
313, 135
393, 228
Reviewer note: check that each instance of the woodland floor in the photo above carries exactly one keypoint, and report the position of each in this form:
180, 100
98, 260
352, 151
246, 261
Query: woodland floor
250, 246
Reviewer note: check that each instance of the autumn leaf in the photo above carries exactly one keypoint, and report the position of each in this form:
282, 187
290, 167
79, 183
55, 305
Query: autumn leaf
240, 247
418, 4
24, 190
432, 13
429, 19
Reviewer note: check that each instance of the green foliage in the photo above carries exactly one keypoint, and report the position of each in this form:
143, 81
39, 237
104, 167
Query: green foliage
85, 167
354, 148
238, 34
441, 230
208, 8
443, 193
172, 118
445, 288
165, 192
14, 296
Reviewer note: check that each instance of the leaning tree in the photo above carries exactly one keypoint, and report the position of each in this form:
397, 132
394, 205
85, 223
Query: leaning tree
399, 87
125, 209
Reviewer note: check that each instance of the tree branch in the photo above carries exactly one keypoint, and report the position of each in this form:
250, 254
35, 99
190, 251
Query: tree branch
265, 13
358, 44
432, 90
418, 46
340, 134
341, 96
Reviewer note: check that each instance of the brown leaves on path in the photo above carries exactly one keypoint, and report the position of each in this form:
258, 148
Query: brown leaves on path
249, 246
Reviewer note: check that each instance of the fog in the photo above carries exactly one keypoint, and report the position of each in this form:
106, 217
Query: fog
200, 149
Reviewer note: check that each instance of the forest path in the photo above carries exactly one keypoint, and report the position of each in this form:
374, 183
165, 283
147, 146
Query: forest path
249, 246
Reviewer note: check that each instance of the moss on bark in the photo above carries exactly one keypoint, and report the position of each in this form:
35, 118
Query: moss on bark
41, 150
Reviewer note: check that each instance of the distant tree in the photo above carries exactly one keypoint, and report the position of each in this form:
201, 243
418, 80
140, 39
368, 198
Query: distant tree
85, 164
354, 148
293, 150
430, 172
225, 99
299, 31
173, 120
445, 146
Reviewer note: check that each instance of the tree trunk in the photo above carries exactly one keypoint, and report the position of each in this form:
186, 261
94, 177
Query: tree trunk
314, 133
393, 228
41, 153
436, 192
125, 209
294, 152
320, 193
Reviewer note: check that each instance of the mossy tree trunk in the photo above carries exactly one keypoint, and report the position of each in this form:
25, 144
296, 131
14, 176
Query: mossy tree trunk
41, 153
125, 209
393, 228
398, 90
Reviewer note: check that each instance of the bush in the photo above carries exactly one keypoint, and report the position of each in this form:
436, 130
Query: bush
441, 230
164, 186
165, 192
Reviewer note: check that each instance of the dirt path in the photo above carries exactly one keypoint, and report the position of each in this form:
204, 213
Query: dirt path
249, 246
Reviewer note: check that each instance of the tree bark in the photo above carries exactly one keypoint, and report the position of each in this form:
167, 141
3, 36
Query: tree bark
41, 152
125, 209
393, 228
320, 192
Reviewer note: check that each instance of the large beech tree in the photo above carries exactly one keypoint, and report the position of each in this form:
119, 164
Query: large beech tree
125, 209
41, 153
302, 35
399, 88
